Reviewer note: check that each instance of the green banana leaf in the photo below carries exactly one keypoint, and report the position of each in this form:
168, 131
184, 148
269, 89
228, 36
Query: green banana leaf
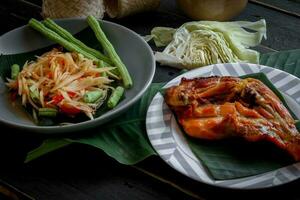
288, 61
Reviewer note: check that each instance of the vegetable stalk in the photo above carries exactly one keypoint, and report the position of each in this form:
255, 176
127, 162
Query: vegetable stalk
34, 93
47, 112
115, 97
92, 96
68, 36
56, 38
15, 70
109, 49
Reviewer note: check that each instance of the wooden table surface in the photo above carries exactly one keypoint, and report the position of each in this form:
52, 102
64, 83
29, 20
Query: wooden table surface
81, 172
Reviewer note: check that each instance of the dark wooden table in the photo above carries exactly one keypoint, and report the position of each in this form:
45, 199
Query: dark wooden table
81, 172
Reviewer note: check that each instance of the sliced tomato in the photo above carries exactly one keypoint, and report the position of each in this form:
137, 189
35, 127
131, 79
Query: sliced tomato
71, 94
98, 74
49, 75
61, 62
69, 110
57, 99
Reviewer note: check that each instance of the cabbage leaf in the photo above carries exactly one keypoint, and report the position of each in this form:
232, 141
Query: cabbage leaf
197, 44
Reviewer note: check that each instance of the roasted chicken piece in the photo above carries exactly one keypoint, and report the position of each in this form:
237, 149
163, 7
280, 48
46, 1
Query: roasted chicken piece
220, 107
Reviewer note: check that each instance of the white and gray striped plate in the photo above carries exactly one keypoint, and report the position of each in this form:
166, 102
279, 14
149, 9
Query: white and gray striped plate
168, 141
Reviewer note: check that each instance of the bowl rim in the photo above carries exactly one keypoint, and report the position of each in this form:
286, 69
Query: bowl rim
76, 127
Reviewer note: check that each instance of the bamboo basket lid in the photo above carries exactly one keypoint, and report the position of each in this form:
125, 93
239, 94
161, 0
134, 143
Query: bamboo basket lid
72, 8
97, 8
122, 8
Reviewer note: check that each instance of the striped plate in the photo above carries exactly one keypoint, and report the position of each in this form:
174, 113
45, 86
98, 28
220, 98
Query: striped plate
167, 138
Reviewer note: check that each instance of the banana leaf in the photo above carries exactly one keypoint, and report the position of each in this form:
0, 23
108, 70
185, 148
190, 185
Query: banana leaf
288, 61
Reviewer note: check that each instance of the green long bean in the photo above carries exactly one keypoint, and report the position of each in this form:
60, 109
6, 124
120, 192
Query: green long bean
15, 70
115, 97
92, 96
68, 36
109, 49
34, 93
56, 38
47, 112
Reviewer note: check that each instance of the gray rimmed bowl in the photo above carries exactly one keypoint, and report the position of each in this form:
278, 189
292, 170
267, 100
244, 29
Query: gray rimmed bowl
133, 50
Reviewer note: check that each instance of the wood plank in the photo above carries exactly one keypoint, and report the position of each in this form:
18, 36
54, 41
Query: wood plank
188, 186
291, 7
32, 4
8, 191
132, 184
80, 172
18, 13
283, 30
35, 2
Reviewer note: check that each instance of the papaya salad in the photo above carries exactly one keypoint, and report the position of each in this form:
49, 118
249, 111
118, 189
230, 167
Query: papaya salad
69, 83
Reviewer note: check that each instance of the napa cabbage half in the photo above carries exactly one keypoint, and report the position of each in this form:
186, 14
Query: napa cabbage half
197, 44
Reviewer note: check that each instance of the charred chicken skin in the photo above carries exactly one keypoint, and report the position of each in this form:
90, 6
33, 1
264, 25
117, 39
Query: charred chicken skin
220, 107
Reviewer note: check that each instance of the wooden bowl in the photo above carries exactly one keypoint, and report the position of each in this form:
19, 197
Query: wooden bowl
217, 10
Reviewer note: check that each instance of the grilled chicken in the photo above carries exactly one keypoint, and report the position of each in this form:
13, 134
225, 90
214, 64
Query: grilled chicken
214, 108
